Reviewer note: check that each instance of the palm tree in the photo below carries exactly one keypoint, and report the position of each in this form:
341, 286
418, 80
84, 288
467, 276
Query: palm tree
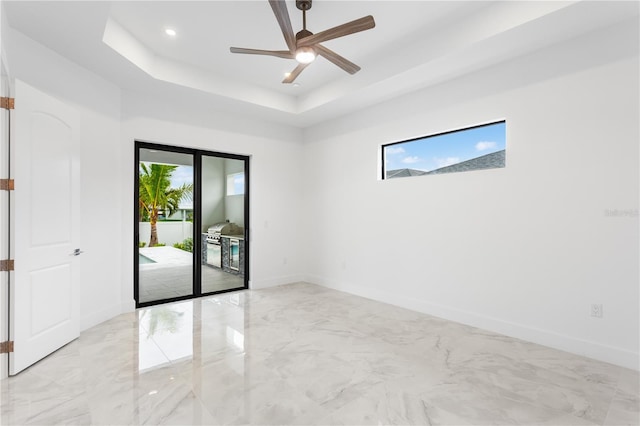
156, 194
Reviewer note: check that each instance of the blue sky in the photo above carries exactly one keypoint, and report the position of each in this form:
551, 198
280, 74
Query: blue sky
433, 152
182, 175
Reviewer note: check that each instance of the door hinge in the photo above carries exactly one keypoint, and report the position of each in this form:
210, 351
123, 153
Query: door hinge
7, 103
7, 184
6, 265
6, 347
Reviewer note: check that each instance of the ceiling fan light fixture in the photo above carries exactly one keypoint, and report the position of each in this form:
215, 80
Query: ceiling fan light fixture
305, 55
304, 45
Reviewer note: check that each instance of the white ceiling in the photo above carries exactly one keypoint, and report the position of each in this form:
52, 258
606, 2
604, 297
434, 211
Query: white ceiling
415, 44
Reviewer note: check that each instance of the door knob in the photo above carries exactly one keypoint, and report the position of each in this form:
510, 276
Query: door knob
76, 252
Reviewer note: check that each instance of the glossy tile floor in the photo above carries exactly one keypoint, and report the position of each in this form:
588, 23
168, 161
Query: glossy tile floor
302, 354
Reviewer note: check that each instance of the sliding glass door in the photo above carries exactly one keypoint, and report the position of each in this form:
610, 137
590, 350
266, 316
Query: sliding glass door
190, 223
165, 220
222, 210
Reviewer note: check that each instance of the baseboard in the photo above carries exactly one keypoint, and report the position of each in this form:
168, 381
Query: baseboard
95, 318
128, 306
612, 355
273, 282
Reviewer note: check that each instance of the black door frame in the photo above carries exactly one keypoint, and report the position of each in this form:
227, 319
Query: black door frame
197, 220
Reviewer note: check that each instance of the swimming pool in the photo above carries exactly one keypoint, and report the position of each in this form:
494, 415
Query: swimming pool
144, 259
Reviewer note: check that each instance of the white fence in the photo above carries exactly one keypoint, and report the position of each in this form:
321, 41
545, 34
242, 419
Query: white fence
169, 233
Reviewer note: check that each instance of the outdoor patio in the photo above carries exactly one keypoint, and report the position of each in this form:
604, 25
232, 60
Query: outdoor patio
172, 275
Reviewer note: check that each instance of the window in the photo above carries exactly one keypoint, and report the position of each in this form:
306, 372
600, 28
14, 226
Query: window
235, 184
472, 148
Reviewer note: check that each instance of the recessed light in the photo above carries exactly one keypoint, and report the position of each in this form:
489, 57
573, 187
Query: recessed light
287, 74
170, 32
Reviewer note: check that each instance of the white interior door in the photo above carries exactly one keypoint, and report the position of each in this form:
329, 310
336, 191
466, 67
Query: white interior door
45, 288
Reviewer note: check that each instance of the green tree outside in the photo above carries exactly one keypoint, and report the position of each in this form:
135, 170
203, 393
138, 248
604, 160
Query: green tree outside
156, 195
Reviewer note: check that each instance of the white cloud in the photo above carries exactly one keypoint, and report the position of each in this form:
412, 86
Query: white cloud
484, 145
182, 175
444, 162
411, 160
394, 150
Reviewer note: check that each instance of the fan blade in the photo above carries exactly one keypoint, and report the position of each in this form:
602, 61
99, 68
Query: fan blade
352, 27
295, 73
282, 16
279, 53
338, 60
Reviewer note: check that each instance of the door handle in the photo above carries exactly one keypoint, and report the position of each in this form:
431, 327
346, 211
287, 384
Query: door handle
76, 252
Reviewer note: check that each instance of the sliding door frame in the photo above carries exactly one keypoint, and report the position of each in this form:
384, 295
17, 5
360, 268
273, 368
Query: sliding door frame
197, 220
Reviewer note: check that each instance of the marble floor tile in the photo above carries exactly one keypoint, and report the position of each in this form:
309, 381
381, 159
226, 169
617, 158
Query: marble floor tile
302, 354
625, 406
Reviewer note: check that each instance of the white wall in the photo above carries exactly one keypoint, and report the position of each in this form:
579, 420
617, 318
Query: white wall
98, 103
234, 204
217, 206
213, 187
523, 250
169, 233
108, 164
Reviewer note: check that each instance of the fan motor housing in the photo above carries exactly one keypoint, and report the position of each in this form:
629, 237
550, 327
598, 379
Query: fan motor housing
303, 4
302, 34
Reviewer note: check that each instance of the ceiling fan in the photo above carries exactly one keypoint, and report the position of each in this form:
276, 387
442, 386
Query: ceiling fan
305, 46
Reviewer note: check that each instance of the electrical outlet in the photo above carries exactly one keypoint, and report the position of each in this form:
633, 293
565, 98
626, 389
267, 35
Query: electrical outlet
596, 310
